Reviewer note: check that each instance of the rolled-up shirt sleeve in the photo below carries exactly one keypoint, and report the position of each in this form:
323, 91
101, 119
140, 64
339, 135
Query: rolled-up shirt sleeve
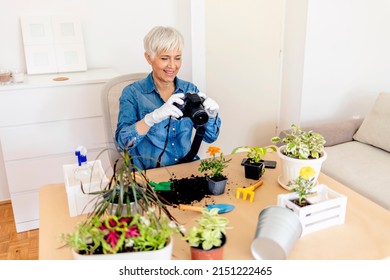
126, 133
213, 126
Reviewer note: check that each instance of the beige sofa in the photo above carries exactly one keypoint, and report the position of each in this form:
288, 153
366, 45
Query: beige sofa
359, 152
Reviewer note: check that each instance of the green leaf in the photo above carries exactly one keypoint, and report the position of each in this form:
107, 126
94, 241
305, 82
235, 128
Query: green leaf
301, 144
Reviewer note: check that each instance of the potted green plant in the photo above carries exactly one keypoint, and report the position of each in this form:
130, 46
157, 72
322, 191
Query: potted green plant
132, 236
253, 163
128, 217
317, 206
303, 185
208, 237
301, 144
128, 191
299, 148
214, 167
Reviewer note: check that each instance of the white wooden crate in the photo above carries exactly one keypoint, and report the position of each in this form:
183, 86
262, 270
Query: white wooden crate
79, 202
327, 208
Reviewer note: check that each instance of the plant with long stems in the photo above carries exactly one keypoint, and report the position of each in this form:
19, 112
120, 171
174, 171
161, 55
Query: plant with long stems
107, 230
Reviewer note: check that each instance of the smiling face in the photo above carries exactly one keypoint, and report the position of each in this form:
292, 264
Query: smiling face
165, 65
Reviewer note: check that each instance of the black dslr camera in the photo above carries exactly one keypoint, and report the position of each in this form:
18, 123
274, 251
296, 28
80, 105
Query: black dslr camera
193, 109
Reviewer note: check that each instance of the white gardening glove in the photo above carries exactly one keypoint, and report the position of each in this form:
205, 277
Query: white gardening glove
209, 105
167, 110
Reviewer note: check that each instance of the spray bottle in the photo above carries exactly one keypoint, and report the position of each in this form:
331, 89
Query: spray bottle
83, 171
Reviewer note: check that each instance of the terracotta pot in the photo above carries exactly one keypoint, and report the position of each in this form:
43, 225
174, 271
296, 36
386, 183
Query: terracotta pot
197, 253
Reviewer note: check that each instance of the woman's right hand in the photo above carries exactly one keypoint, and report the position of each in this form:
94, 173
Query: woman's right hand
167, 110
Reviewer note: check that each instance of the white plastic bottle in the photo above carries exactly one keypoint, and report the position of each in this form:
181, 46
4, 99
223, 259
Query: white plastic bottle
84, 170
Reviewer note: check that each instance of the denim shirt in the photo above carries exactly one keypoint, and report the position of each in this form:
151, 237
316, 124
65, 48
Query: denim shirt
141, 98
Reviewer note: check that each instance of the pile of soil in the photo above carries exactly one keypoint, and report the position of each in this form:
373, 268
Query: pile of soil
186, 190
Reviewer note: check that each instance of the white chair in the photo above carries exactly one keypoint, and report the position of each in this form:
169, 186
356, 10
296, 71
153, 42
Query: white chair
110, 102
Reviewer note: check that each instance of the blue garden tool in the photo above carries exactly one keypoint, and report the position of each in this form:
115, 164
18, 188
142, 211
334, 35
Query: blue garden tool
222, 207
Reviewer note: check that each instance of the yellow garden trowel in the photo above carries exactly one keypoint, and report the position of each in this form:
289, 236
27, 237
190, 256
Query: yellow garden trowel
248, 191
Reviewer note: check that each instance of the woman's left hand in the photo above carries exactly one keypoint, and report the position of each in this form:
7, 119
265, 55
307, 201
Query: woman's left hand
210, 105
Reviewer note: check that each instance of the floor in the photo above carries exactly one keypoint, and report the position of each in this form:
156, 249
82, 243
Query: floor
13, 245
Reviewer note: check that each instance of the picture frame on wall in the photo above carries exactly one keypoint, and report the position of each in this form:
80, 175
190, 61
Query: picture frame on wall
53, 44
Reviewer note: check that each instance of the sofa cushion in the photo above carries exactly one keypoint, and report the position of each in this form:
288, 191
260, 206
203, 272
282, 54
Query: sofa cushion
361, 167
336, 132
375, 129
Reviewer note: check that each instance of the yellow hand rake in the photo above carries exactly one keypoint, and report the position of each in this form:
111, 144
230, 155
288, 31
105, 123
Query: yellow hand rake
245, 191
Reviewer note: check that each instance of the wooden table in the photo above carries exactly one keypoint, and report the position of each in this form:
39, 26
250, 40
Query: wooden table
365, 234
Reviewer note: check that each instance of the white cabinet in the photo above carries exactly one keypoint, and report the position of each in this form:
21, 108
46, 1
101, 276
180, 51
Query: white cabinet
42, 122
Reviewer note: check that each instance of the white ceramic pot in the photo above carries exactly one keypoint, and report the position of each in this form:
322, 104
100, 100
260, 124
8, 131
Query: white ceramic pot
292, 166
162, 254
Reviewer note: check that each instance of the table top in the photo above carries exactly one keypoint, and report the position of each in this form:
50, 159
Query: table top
364, 235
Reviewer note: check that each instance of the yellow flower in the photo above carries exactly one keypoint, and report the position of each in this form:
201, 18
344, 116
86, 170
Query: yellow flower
307, 172
212, 150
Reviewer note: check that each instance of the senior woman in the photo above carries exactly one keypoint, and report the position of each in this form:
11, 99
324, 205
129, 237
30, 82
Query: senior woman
153, 122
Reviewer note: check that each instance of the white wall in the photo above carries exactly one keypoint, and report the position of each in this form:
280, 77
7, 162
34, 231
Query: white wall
347, 58
293, 53
113, 34
113, 30
243, 43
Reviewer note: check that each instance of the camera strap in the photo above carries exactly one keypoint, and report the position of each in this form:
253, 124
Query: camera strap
165, 144
199, 134
195, 145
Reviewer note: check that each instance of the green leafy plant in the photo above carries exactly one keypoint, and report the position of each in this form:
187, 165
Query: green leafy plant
215, 164
255, 153
209, 231
301, 144
128, 188
127, 215
303, 184
112, 234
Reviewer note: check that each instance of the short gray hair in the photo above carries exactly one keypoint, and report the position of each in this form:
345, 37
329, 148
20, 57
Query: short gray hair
162, 38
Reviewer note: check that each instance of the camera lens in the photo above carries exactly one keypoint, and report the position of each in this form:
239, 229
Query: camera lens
199, 116
193, 109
